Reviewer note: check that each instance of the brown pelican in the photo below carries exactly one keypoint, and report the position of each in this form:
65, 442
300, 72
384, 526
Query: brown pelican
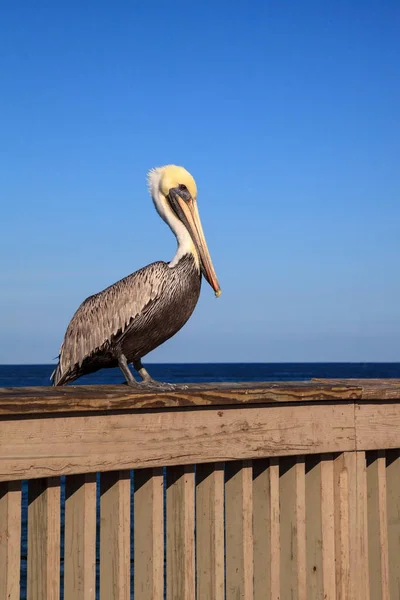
130, 318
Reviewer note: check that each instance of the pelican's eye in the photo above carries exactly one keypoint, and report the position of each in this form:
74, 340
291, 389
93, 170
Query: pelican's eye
184, 192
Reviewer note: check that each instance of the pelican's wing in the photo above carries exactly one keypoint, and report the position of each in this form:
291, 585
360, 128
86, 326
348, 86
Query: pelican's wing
100, 317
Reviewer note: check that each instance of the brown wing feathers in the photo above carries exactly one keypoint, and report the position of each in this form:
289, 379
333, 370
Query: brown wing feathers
106, 314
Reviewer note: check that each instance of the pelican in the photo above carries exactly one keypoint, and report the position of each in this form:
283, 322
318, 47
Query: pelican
121, 324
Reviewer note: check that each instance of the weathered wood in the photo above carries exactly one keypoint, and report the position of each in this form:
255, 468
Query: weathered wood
299, 525
78, 444
43, 579
377, 425
80, 537
371, 389
210, 531
180, 533
262, 529
315, 583
115, 535
328, 527
266, 529
239, 530
293, 541
351, 543
36, 400
359, 531
393, 519
342, 543
320, 527
378, 528
149, 535
10, 539
275, 529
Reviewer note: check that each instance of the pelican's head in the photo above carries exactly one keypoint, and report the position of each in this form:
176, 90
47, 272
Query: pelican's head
174, 193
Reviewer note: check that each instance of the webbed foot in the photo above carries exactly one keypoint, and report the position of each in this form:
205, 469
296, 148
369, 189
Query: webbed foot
153, 384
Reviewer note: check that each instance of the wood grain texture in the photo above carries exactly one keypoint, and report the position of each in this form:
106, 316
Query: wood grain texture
115, 559
371, 389
359, 531
80, 537
275, 529
149, 534
43, 578
315, 583
393, 519
378, 526
10, 539
81, 444
377, 425
239, 530
36, 400
328, 526
266, 529
351, 537
210, 542
262, 529
180, 533
342, 543
293, 534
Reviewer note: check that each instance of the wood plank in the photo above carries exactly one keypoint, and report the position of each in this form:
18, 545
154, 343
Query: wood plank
239, 529
359, 532
328, 527
275, 530
266, 529
371, 389
34, 400
342, 543
43, 578
378, 425
210, 542
393, 519
351, 541
149, 534
10, 539
80, 537
377, 526
115, 559
301, 528
180, 533
82, 444
315, 583
293, 542
262, 529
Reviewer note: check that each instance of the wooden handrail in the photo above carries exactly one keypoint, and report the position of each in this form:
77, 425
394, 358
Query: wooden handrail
36, 400
82, 429
249, 490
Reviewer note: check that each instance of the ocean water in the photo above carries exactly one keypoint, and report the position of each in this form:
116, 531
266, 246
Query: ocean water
38, 375
30, 375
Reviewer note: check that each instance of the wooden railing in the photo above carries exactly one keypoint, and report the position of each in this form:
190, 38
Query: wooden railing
265, 491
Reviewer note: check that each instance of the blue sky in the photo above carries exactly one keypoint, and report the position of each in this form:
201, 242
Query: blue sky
286, 113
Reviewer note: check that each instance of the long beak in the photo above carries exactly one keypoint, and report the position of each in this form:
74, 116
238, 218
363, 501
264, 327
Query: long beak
191, 219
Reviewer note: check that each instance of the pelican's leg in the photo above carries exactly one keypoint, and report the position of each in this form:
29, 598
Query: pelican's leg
123, 365
148, 381
144, 374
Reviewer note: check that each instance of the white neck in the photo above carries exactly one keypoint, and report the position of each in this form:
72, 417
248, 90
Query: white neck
185, 242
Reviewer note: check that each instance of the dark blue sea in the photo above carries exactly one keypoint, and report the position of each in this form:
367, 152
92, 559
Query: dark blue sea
28, 375
35, 375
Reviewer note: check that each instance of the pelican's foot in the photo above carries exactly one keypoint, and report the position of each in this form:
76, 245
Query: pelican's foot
133, 384
153, 384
